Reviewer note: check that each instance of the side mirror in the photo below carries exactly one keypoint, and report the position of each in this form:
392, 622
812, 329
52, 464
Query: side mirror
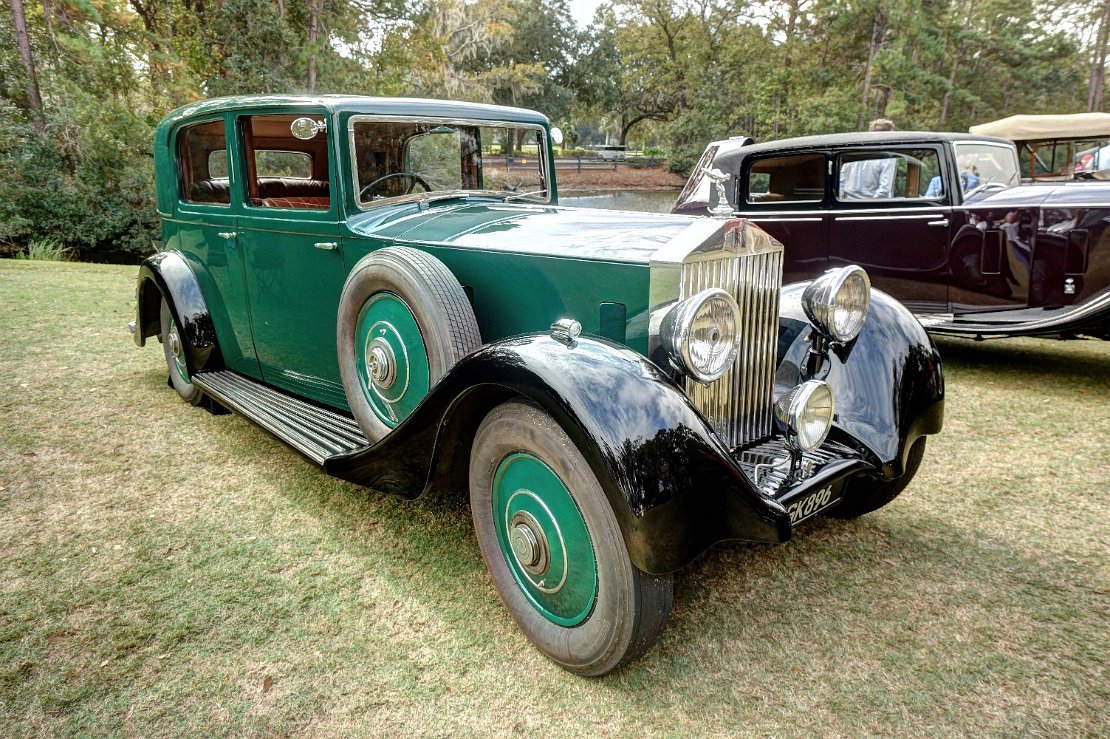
306, 128
557, 135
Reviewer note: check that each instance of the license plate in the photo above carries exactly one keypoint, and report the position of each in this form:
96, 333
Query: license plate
813, 503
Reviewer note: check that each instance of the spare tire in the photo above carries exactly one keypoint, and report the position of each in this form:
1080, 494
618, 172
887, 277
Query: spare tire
404, 320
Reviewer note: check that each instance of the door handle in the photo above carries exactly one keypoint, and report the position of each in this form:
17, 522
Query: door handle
326, 245
941, 222
227, 234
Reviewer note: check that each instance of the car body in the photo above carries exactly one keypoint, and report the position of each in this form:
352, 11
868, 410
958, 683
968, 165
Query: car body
1056, 148
609, 152
959, 240
390, 287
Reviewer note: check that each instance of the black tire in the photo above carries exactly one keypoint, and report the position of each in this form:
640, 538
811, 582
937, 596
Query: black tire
432, 297
863, 495
173, 347
629, 609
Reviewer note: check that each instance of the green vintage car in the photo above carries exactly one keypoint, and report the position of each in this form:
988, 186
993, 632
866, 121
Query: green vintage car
390, 287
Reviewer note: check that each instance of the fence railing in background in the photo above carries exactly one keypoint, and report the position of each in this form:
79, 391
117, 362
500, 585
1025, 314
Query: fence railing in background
582, 164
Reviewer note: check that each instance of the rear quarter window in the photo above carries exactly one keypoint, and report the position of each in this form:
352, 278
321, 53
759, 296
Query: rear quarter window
202, 164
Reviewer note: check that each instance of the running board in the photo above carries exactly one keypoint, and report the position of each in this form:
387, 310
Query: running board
317, 433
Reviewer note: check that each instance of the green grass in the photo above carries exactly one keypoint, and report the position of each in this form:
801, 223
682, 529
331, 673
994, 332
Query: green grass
161, 566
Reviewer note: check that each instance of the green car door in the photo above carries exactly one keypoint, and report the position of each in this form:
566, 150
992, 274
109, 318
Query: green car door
288, 234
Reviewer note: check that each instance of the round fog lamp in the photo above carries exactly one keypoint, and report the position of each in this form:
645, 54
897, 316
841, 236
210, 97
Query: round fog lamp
805, 414
699, 334
837, 302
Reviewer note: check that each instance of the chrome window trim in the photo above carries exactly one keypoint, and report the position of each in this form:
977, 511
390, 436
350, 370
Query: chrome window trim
441, 120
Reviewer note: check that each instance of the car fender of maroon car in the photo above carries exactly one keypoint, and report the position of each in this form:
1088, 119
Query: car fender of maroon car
940, 221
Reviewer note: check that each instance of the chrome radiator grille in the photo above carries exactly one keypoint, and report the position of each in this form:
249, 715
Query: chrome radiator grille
749, 266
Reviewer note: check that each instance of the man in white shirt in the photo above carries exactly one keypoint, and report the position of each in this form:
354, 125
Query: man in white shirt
869, 178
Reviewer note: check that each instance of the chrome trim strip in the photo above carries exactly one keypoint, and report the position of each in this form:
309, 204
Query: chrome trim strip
774, 219
749, 214
902, 217
368, 117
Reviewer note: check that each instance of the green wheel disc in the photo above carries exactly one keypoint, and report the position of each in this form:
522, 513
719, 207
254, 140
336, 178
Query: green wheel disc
544, 539
390, 358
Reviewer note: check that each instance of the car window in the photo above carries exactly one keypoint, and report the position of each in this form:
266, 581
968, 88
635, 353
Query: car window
401, 158
903, 174
796, 179
284, 171
295, 164
202, 164
984, 164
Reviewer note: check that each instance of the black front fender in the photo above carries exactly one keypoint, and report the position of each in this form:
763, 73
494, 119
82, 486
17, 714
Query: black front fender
170, 275
887, 382
670, 480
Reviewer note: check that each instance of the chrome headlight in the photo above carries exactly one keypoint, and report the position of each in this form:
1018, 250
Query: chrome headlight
805, 414
699, 334
837, 302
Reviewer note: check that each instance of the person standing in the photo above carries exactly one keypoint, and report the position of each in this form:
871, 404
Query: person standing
869, 178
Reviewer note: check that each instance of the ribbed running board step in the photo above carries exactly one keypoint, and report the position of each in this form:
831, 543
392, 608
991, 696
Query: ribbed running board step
311, 430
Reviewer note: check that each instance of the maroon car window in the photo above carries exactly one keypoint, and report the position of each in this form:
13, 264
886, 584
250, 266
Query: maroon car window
890, 174
201, 164
796, 179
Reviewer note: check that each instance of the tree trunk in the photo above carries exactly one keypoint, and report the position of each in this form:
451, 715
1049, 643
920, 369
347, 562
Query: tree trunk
23, 40
957, 59
878, 32
48, 18
1098, 61
314, 9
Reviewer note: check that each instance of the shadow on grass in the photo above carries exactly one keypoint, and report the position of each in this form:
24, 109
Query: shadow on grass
1033, 359
903, 611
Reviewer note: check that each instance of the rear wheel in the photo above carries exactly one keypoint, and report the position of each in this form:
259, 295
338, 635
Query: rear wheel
173, 346
554, 549
863, 495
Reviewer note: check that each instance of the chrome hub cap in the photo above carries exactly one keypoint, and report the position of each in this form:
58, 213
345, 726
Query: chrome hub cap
529, 544
381, 365
174, 343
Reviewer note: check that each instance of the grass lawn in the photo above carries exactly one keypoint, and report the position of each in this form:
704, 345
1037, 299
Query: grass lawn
170, 572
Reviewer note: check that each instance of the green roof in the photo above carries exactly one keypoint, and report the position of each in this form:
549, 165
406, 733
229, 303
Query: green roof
362, 104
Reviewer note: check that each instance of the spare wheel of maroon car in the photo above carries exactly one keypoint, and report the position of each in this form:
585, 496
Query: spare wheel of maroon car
404, 320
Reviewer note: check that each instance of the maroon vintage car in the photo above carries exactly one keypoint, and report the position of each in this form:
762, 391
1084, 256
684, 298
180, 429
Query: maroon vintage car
940, 221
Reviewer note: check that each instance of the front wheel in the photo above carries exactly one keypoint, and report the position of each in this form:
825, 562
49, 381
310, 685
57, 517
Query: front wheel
554, 549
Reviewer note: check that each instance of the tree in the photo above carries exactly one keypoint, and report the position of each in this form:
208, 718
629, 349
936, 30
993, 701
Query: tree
22, 38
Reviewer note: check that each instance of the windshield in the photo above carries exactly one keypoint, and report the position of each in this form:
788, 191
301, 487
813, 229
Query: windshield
395, 159
989, 163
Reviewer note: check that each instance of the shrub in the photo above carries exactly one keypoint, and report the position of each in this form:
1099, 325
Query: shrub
49, 249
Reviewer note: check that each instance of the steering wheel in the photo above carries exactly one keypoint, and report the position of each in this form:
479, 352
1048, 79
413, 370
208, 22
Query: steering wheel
414, 180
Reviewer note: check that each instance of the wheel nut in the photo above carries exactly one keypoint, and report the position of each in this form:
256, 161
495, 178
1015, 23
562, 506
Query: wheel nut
525, 546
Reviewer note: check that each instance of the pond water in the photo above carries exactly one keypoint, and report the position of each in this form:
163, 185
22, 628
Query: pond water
652, 201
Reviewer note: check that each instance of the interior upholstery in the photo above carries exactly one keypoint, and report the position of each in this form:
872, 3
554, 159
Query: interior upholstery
273, 192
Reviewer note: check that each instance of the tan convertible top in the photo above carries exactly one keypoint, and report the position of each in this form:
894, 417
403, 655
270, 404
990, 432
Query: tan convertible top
1047, 127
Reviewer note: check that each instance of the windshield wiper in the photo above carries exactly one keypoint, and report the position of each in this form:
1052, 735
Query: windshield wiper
515, 195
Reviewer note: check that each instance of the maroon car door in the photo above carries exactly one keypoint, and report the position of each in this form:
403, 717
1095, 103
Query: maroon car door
890, 214
786, 195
